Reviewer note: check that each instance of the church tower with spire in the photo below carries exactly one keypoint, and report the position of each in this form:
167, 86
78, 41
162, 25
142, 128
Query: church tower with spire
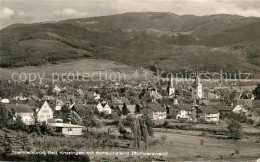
197, 92
171, 88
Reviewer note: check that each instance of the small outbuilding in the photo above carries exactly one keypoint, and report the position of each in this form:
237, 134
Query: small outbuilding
68, 129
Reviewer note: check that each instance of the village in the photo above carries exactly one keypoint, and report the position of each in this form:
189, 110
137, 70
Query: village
75, 109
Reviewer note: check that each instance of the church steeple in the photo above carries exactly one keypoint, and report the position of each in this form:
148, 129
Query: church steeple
171, 88
197, 80
197, 87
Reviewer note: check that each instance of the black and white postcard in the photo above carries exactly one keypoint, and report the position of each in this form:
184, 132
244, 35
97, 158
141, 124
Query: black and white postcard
130, 80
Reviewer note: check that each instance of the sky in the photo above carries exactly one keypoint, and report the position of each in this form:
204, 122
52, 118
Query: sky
32, 11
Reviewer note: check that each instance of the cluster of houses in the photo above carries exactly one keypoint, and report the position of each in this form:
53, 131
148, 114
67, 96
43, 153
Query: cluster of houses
206, 106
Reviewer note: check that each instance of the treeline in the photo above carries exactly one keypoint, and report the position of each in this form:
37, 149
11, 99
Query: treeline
37, 60
9, 90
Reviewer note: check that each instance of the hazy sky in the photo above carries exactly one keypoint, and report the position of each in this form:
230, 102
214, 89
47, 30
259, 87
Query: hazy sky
29, 11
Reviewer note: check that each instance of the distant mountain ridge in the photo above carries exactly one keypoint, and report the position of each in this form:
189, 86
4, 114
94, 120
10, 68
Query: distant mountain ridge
165, 40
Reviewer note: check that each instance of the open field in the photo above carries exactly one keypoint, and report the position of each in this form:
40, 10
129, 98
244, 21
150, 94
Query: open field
188, 147
185, 145
88, 66
180, 145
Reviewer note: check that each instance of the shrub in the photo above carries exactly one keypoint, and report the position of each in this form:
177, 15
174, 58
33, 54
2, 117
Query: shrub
116, 144
163, 139
201, 142
166, 124
235, 129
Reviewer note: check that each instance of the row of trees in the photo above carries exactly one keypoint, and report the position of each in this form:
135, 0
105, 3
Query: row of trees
141, 130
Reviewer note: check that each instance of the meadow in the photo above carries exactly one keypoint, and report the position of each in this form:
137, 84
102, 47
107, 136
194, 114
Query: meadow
88, 66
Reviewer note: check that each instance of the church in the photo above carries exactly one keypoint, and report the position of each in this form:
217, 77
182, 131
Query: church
171, 88
197, 92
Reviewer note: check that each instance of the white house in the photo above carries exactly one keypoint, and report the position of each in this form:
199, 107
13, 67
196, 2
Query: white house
5, 101
104, 107
205, 113
238, 108
58, 105
44, 111
184, 112
22, 110
233, 108
155, 112
68, 129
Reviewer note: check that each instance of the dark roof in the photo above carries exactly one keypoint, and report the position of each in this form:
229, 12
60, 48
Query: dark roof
245, 102
208, 109
19, 108
39, 104
147, 110
223, 107
157, 107
79, 107
185, 107
166, 101
234, 96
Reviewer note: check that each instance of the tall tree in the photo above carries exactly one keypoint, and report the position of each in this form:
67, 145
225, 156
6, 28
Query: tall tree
3, 116
140, 130
135, 126
125, 111
256, 91
137, 109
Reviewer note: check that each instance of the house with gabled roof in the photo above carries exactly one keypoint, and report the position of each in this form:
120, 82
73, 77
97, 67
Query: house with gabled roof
155, 112
245, 102
22, 110
43, 111
236, 108
78, 108
104, 107
205, 113
182, 111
